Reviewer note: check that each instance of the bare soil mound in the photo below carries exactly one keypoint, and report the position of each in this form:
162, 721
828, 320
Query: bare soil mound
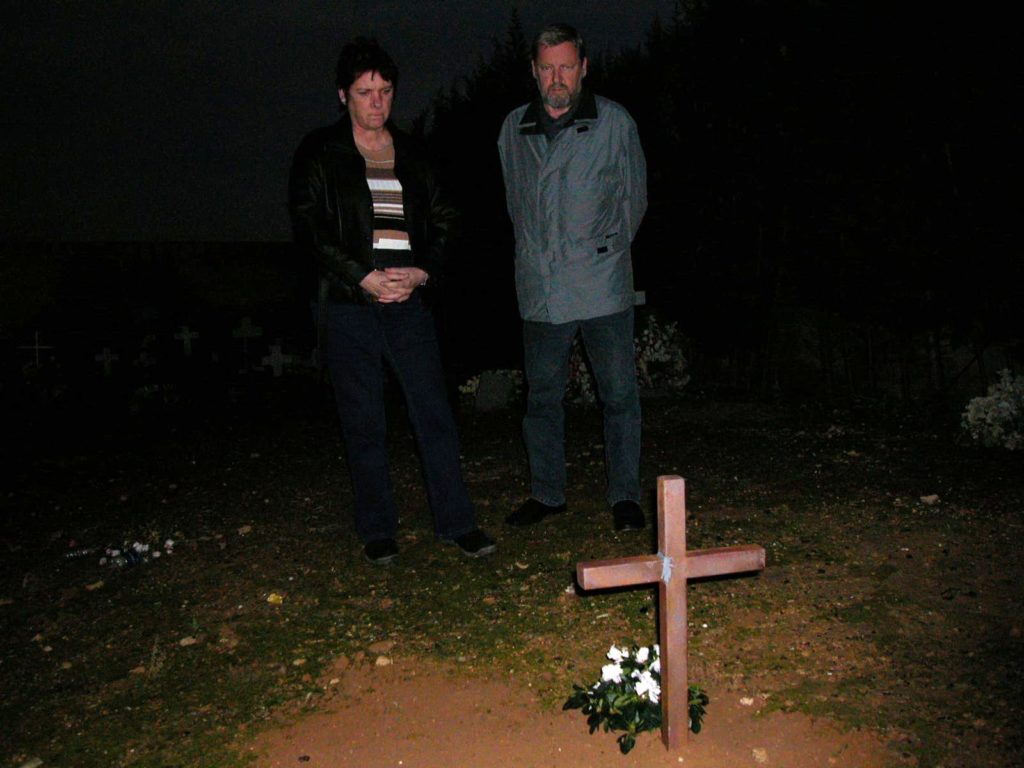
413, 714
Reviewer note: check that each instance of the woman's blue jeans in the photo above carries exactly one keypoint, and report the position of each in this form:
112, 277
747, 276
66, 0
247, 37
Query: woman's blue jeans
608, 341
360, 340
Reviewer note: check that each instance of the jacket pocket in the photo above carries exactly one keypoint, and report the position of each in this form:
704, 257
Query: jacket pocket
601, 246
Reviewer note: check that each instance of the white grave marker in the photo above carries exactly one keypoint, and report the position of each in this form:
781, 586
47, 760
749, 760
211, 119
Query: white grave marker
276, 360
245, 331
185, 336
108, 359
36, 347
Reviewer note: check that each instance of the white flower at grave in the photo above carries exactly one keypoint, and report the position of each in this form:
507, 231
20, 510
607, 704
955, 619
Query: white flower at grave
647, 686
627, 698
611, 673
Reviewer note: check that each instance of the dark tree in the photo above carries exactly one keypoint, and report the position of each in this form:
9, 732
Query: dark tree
828, 184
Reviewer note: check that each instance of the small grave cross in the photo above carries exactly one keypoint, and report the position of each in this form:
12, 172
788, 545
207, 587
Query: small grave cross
108, 359
145, 357
36, 347
245, 331
185, 336
276, 360
671, 568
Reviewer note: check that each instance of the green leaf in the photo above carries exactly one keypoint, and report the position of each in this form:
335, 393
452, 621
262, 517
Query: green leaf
577, 700
626, 742
697, 701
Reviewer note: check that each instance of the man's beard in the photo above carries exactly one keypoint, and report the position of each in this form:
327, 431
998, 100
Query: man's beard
559, 97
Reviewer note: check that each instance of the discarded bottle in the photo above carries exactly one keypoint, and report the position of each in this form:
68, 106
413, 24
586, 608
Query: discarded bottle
74, 554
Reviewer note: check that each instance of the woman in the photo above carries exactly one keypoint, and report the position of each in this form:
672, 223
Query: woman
363, 200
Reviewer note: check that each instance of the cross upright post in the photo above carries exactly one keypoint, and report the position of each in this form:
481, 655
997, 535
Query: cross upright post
671, 567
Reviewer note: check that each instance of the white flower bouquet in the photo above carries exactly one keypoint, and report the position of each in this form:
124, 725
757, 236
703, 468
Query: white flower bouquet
627, 697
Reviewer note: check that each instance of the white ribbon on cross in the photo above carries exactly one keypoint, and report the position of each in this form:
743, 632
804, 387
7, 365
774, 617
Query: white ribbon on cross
666, 567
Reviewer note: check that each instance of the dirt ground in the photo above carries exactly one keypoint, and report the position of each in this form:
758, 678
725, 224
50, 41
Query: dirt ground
413, 715
886, 629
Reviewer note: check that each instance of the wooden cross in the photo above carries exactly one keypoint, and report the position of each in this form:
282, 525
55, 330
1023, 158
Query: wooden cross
671, 568
108, 359
37, 347
185, 336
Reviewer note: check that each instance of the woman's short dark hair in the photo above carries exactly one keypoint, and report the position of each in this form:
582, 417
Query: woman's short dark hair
364, 55
556, 34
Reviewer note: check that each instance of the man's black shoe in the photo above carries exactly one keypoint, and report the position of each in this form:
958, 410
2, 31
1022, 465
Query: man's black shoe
628, 516
381, 551
531, 513
476, 543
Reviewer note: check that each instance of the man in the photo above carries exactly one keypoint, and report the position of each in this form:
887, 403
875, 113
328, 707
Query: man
576, 186
365, 206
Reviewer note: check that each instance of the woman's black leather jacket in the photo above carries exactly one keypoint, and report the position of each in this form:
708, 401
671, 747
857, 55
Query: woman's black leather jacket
332, 211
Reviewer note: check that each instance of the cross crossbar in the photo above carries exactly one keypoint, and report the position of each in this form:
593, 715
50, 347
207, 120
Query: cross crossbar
646, 569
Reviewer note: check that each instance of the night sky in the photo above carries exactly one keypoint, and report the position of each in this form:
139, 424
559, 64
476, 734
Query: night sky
177, 120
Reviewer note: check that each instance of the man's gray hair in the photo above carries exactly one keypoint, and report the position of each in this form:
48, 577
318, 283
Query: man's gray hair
556, 34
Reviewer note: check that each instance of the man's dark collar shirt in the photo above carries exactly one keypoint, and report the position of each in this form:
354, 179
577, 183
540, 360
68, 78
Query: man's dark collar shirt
552, 126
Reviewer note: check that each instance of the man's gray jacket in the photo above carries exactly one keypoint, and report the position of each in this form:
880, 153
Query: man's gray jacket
576, 202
